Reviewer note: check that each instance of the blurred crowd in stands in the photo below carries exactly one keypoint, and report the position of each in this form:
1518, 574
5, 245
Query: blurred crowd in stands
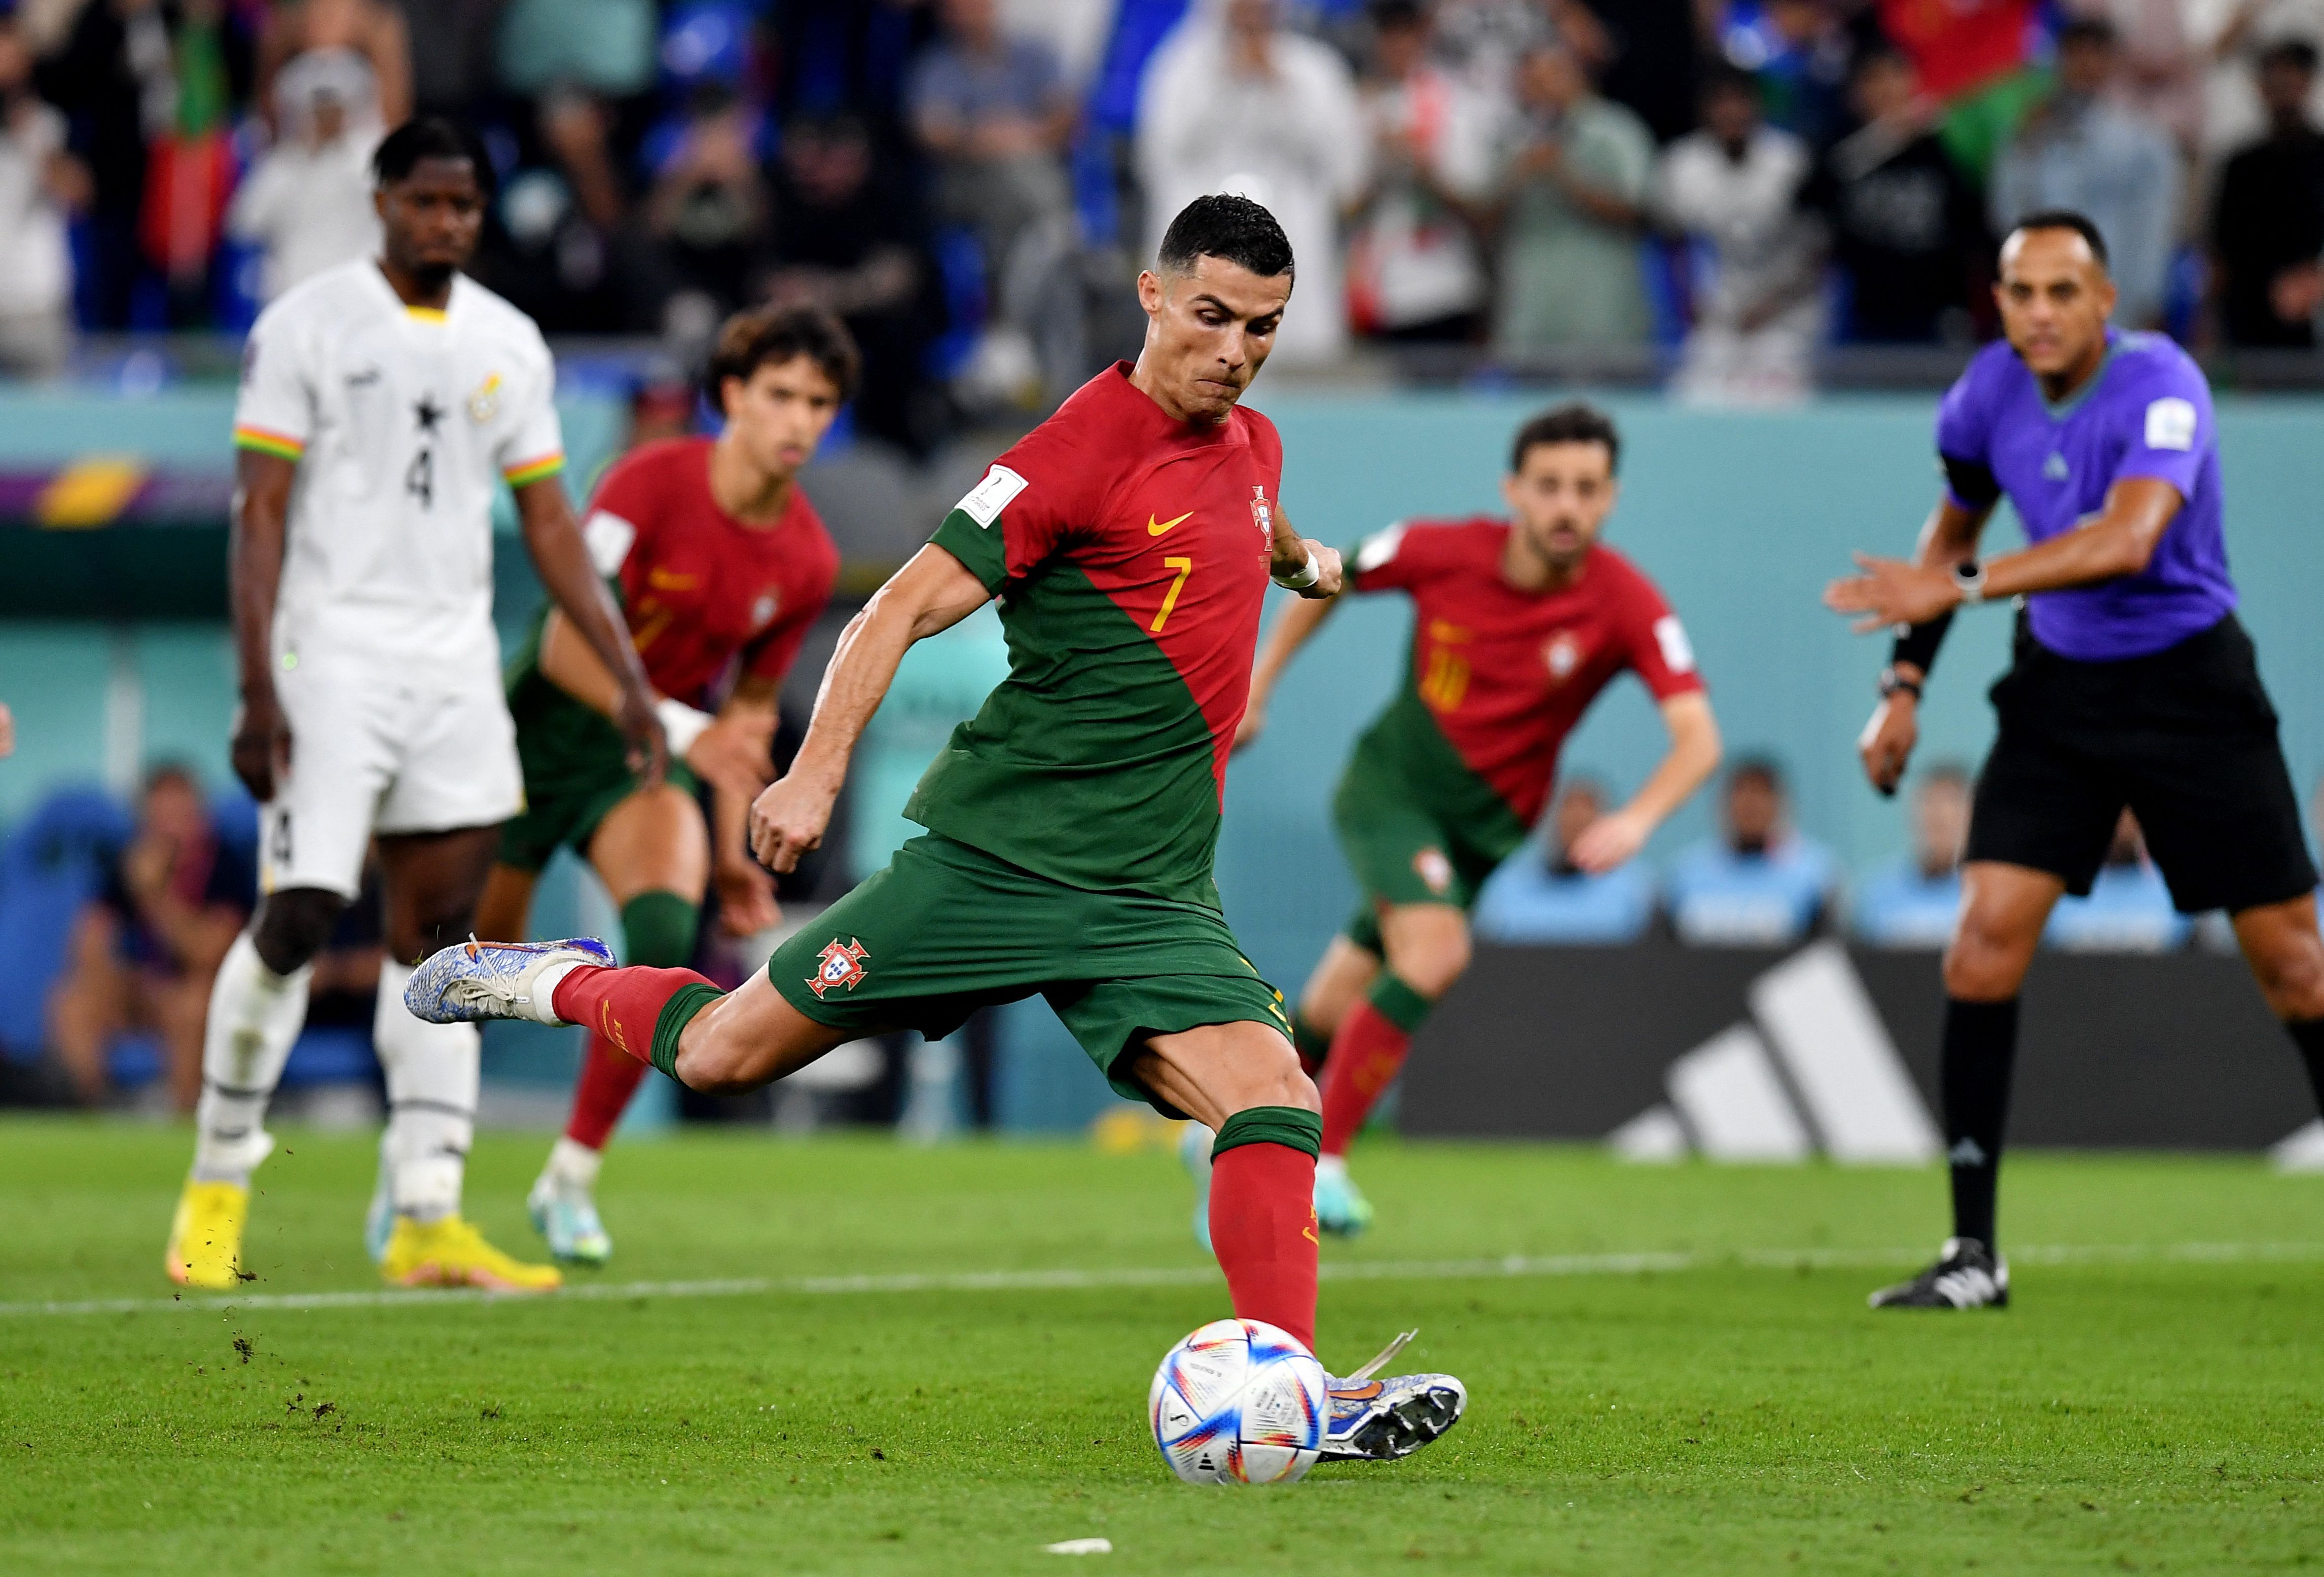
971, 182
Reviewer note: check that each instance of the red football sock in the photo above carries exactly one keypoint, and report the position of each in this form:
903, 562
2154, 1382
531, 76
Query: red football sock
1263, 1231
622, 1005
600, 1096
1366, 1054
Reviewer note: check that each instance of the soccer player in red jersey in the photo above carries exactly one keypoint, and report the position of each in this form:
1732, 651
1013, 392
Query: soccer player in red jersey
721, 566
1518, 625
1074, 821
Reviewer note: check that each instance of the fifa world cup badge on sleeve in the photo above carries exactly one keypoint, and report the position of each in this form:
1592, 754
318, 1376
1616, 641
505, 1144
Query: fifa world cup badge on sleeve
842, 966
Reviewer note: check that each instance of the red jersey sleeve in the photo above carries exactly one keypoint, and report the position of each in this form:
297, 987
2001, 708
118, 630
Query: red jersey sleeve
619, 527
1654, 639
1032, 501
1400, 558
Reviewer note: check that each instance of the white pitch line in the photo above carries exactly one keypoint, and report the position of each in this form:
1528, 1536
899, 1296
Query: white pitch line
1069, 1280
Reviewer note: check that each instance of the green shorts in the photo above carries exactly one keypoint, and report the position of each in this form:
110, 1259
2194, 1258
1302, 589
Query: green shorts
1404, 852
946, 929
574, 773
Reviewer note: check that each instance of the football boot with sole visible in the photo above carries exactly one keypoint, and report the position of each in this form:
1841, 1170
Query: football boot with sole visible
451, 1252
1340, 1207
472, 981
1966, 1276
1194, 1150
205, 1237
1379, 1420
566, 1217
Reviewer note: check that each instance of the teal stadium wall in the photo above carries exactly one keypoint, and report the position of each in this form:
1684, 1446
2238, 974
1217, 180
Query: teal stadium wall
1741, 517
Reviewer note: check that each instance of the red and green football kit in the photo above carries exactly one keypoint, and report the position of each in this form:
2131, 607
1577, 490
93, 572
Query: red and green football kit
1073, 822
1449, 779
703, 594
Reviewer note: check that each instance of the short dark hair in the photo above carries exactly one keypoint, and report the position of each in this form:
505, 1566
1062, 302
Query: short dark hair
1760, 770
1578, 423
2295, 52
762, 335
2089, 30
1396, 15
2079, 224
1223, 224
432, 136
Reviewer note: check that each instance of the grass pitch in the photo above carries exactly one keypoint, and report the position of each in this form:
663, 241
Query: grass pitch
1675, 1373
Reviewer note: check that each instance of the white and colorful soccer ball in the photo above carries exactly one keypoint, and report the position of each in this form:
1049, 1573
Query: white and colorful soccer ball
1239, 1402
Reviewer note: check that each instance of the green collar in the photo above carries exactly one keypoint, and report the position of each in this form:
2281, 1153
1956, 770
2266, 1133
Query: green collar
2060, 410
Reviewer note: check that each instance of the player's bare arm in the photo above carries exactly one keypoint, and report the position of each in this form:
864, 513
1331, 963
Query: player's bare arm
731, 755
746, 894
1293, 628
1694, 755
562, 559
261, 742
929, 595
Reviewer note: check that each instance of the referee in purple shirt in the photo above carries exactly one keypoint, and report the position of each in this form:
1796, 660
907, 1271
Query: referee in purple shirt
2132, 683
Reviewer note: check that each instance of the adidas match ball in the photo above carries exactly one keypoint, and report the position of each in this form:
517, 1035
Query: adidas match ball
1239, 1402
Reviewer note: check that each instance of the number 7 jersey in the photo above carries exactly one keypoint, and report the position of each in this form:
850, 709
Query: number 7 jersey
1129, 554
402, 422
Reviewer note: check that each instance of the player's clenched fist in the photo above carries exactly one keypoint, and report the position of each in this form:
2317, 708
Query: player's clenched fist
261, 750
787, 820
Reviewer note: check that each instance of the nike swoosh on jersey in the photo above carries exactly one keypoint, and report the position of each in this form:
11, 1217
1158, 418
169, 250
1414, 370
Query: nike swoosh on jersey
1154, 530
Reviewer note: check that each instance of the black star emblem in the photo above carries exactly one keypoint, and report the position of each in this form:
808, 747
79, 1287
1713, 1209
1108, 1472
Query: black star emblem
428, 413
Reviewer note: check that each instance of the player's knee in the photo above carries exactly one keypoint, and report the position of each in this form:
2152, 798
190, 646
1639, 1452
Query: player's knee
1431, 967
293, 924
417, 937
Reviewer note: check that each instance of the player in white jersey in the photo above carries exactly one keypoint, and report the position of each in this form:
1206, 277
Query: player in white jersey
382, 405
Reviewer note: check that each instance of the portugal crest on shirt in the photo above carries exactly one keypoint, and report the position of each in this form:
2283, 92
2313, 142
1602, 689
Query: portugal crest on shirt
842, 966
1262, 514
763, 611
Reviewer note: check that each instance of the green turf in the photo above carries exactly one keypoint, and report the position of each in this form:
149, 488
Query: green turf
2142, 1408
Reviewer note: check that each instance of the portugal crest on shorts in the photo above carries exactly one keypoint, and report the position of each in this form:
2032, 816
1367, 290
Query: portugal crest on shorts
842, 966
1434, 870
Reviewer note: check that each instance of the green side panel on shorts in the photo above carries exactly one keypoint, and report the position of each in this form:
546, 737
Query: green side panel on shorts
1091, 764
947, 928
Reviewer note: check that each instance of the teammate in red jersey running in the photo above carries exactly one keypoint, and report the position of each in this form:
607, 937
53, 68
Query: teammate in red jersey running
1518, 625
721, 566
1073, 822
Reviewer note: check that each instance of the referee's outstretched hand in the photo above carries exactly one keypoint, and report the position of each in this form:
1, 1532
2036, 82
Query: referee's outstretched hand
1890, 591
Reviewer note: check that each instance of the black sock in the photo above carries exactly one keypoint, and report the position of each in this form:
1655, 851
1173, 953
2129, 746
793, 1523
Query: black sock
2308, 1035
1980, 1051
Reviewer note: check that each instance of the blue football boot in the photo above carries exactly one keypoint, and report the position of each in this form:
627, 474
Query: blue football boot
1340, 1208
1381, 1420
475, 981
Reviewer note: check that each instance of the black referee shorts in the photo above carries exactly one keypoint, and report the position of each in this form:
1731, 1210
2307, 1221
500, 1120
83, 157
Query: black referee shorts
2185, 737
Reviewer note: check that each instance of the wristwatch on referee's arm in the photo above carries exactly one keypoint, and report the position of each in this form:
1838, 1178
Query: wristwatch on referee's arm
1891, 681
1968, 579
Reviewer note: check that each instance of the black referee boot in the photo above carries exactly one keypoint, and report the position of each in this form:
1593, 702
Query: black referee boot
1966, 1276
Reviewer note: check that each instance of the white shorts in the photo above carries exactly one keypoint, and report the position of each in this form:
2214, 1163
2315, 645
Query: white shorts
373, 753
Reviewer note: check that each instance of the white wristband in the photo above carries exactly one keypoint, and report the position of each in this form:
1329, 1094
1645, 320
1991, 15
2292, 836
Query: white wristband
1301, 579
681, 723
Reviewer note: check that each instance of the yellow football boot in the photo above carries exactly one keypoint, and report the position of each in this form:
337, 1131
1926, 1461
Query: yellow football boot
206, 1236
451, 1252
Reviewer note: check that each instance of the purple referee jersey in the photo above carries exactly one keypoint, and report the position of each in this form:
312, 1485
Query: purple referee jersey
2146, 412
